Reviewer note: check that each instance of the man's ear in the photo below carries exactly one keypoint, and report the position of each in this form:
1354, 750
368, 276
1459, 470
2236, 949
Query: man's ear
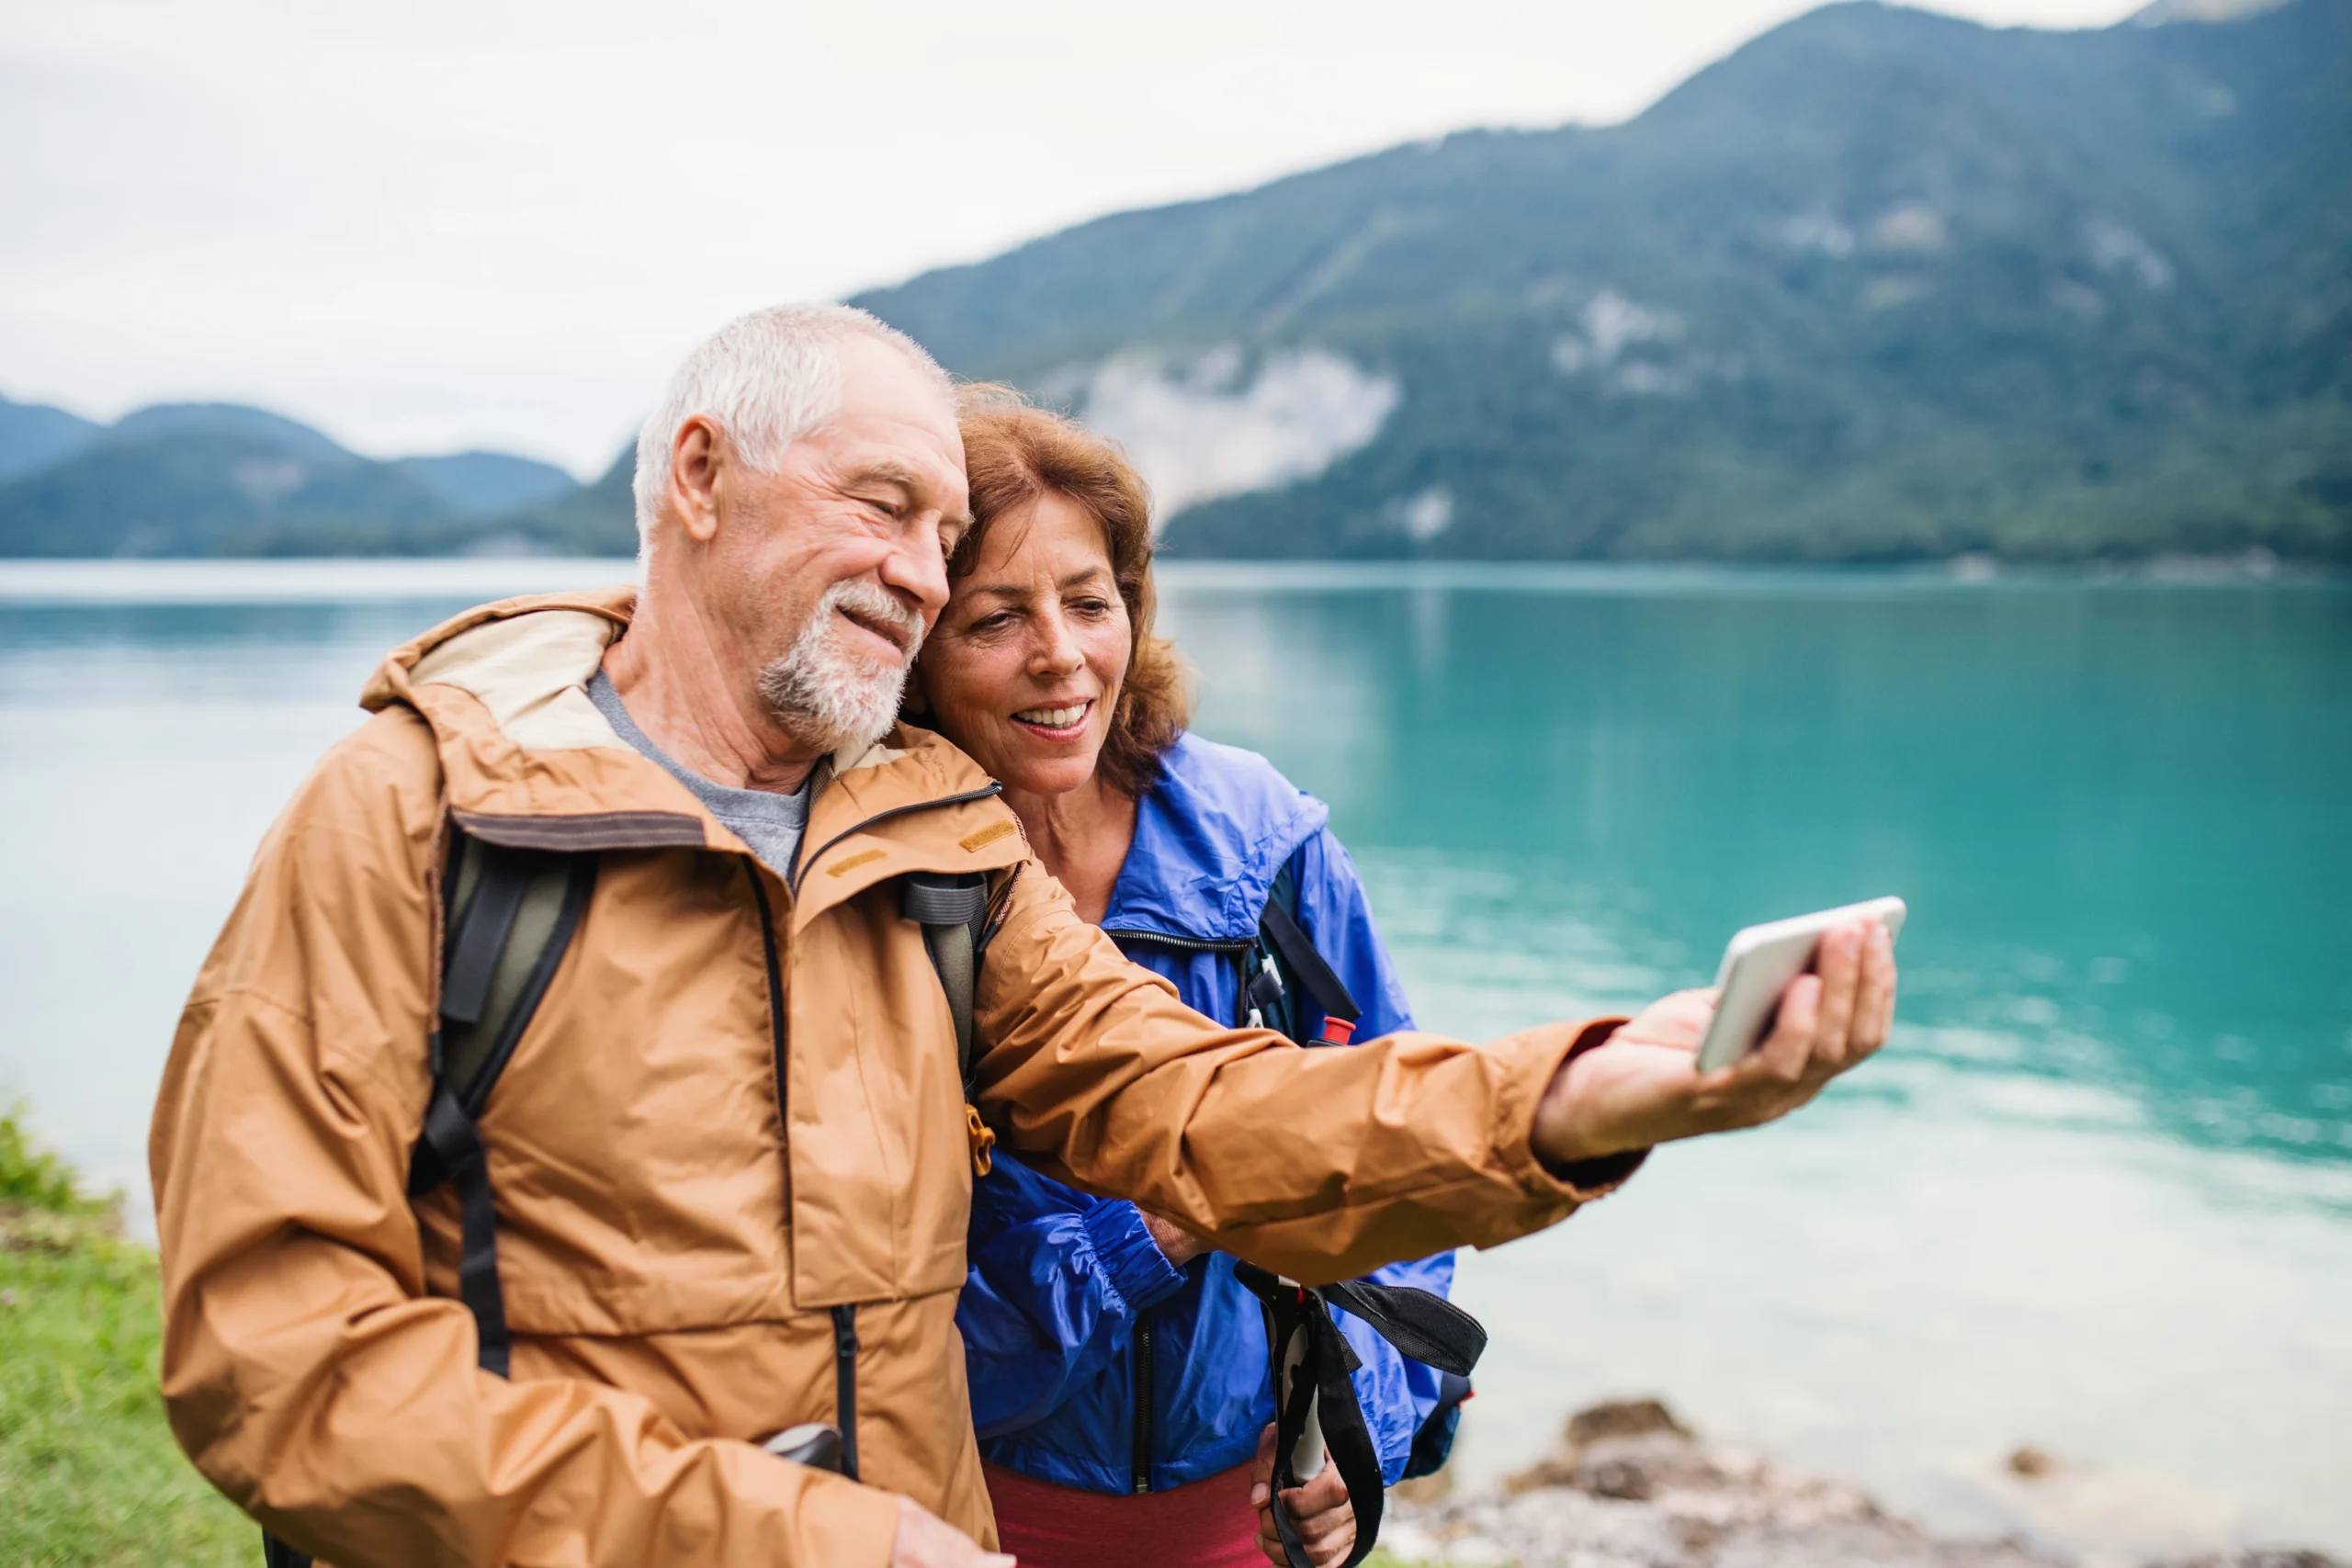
697, 464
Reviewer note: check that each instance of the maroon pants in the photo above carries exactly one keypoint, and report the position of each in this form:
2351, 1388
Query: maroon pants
1206, 1525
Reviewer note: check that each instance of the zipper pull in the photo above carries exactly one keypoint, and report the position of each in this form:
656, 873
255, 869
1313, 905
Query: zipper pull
983, 1138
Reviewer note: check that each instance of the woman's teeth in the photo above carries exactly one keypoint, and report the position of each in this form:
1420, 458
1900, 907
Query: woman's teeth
1054, 718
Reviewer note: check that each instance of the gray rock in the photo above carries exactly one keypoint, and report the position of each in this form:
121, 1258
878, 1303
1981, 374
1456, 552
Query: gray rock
1632, 1487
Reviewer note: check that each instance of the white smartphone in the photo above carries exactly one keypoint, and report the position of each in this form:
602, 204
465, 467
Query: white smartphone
1758, 964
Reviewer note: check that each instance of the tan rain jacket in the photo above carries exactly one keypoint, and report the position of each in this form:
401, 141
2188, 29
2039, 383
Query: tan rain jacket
736, 1107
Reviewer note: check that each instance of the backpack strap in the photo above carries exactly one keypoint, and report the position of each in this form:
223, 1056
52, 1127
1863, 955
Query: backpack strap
952, 909
1280, 936
509, 915
513, 914
1315, 1398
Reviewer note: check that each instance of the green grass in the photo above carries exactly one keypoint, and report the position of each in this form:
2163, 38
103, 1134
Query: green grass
88, 1470
87, 1467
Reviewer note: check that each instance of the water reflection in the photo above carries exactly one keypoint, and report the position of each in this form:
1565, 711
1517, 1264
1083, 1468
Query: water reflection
2117, 812
2100, 1195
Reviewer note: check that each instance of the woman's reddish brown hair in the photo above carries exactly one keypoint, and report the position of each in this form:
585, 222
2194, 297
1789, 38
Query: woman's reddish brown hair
1015, 453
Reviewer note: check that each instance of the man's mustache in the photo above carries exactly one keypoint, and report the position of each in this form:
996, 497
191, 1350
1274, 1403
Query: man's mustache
875, 606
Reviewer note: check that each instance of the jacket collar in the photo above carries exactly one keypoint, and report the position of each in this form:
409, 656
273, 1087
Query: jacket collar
1210, 837
528, 760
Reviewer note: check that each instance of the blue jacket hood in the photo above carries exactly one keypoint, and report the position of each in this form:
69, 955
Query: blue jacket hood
1210, 838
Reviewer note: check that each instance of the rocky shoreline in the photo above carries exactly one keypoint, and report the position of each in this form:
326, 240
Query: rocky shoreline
1630, 1486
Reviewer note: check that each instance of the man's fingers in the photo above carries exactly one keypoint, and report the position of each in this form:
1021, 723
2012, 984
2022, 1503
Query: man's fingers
1262, 1469
1784, 1052
1841, 969
1874, 999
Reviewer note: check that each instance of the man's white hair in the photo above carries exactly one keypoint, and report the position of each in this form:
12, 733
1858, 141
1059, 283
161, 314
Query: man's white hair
766, 380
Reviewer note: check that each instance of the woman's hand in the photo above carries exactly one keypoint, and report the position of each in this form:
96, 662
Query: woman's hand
1176, 1243
1320, 1511
1639, 1089
926, 1541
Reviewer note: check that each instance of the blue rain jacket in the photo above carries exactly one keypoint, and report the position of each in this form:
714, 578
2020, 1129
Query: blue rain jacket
1068, 1296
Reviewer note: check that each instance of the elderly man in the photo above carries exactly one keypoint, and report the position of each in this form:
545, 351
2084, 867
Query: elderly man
729, 1150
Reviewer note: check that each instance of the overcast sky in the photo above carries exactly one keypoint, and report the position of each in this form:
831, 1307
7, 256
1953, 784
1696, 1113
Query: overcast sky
466, 223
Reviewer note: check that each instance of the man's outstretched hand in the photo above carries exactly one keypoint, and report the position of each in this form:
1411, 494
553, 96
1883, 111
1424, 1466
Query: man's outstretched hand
1639, 1089
926, 1541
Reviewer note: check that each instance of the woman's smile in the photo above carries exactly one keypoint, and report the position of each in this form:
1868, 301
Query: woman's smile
1067, 722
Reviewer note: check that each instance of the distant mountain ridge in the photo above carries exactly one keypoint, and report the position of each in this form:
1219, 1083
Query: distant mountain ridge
1881, 284
223, 478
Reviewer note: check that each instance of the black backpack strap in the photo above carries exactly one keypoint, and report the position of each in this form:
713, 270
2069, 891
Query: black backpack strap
509, 915
1279, 933
951, 907
1314, 1395
513, 913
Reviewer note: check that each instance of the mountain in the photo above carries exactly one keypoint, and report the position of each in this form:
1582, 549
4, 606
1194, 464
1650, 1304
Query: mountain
595, 519
223, 478
227, 421
33, 436
1880, 285
483, 484
231, 482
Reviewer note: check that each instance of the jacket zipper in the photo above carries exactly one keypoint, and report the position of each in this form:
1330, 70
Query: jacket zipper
1183, 944
776, 1007
802, 863
1141, 1458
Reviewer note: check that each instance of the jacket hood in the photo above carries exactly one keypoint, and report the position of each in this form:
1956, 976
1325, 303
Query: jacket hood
528, 760
1210, 837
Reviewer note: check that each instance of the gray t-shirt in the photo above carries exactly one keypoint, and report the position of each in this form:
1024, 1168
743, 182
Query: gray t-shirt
770, 823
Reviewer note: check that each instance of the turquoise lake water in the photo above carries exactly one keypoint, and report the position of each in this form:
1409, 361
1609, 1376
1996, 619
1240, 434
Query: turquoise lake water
2098, 1195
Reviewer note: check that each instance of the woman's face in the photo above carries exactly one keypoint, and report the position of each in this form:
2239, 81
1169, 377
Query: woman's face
1023, 671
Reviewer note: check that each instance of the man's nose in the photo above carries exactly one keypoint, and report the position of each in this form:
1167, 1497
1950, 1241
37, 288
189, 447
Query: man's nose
917, 567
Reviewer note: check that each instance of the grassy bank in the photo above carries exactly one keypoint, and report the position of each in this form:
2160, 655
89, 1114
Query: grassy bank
88, 1471
87, 1467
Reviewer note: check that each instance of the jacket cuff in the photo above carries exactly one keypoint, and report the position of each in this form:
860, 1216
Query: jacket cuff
1540, 1061
1602, 1174
1132, 1261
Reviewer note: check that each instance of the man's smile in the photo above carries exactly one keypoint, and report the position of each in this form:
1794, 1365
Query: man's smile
892, 636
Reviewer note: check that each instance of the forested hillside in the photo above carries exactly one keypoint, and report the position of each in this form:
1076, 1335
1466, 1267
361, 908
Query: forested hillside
223, 480
1883, 284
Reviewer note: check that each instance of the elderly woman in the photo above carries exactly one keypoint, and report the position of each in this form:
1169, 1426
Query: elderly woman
1118, 1371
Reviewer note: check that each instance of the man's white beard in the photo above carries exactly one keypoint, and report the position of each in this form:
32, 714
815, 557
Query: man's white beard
828, 696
